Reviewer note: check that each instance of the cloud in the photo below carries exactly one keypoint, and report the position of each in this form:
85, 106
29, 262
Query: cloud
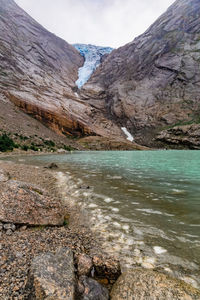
100, 22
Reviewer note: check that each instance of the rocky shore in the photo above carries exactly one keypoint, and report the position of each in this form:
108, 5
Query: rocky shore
47, 252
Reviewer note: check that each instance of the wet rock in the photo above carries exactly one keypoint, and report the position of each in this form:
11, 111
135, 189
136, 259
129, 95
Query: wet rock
84, 264
106, 267
53, 276
52, 166
23, 203
92, 290
150, 285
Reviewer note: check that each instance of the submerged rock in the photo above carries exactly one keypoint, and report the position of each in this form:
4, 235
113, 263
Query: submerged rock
23, 203
141, 284
53, 276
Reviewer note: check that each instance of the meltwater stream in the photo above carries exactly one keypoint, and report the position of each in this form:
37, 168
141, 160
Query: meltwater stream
145, 205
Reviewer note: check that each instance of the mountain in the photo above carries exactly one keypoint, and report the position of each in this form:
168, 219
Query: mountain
38, 74
93, 56
153, 82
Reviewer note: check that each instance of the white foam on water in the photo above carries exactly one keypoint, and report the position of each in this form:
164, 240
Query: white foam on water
151, 211
126, 227
92, 205
159, 250
115, 209
108, 200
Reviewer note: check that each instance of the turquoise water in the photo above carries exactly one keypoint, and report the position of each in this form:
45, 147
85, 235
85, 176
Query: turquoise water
146, 205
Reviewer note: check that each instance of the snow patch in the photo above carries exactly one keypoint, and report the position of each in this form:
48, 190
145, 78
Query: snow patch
127, 133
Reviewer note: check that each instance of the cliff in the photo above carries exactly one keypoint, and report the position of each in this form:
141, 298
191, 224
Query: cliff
153, 82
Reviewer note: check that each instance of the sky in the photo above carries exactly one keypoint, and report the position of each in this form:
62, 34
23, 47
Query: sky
111, 23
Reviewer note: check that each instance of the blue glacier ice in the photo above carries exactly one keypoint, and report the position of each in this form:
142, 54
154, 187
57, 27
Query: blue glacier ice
92, 55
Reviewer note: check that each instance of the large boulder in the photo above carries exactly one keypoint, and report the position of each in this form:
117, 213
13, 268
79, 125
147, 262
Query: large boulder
141, 284
23, 203
52, 276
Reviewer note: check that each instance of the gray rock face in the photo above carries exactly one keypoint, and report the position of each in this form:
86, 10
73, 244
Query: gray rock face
23, 203
85, 264
153, 81
53, 276
143, 284
187, 136
38, 72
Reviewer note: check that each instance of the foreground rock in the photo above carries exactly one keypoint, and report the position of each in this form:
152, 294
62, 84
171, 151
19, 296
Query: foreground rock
143, 284
92, 290
187, 136
53, 276
22, 203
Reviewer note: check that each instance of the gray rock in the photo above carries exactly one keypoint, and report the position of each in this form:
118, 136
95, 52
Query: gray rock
141, 284
53, 276
92, 290
84, 264
153, 81
9, 226
9, 232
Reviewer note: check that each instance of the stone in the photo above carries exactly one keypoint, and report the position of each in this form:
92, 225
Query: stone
140, 284
9, 232
185, 136
106, 267
53, 166
92, 290
4, 176
23, 203
85, 264
52, 276
9, 227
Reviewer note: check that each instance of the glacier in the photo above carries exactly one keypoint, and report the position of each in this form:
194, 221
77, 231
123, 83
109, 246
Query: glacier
93, 56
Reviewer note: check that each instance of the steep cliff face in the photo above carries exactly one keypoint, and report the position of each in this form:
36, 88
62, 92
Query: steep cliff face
38, 72
153, 81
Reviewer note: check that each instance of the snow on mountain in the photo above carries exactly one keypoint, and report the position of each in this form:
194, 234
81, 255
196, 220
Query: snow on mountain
92, 55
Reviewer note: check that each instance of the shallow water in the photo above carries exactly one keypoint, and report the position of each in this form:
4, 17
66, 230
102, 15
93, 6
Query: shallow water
145, 205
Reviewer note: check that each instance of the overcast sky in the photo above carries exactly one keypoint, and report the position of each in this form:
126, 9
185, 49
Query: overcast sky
100, 22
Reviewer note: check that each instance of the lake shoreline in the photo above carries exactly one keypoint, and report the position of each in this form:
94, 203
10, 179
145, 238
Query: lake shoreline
32, 241
19, 247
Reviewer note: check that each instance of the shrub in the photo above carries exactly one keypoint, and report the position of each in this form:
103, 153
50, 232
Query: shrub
6, 143
24, 147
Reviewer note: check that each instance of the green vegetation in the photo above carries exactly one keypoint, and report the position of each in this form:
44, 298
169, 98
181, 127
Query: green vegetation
49, 143
6, 143
68, 148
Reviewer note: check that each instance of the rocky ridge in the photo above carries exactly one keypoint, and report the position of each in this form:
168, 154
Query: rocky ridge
38, 72
154, 81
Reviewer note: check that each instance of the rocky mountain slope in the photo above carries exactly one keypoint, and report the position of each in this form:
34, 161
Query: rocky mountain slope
154, 81
38, 72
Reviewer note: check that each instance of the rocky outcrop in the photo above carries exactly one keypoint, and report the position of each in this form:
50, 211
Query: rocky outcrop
141, 284
153, 81
23, 203
38, 72
53, 276
186, 136
91, 290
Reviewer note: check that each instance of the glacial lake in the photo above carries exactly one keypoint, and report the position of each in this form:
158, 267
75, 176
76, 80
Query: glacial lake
145, 205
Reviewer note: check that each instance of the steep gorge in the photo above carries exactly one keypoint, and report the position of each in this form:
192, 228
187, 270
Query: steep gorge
154, 81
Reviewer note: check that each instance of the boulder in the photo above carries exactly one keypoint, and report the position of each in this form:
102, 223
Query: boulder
52, 276
140, 284
23, 203
92, 290
85, 264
